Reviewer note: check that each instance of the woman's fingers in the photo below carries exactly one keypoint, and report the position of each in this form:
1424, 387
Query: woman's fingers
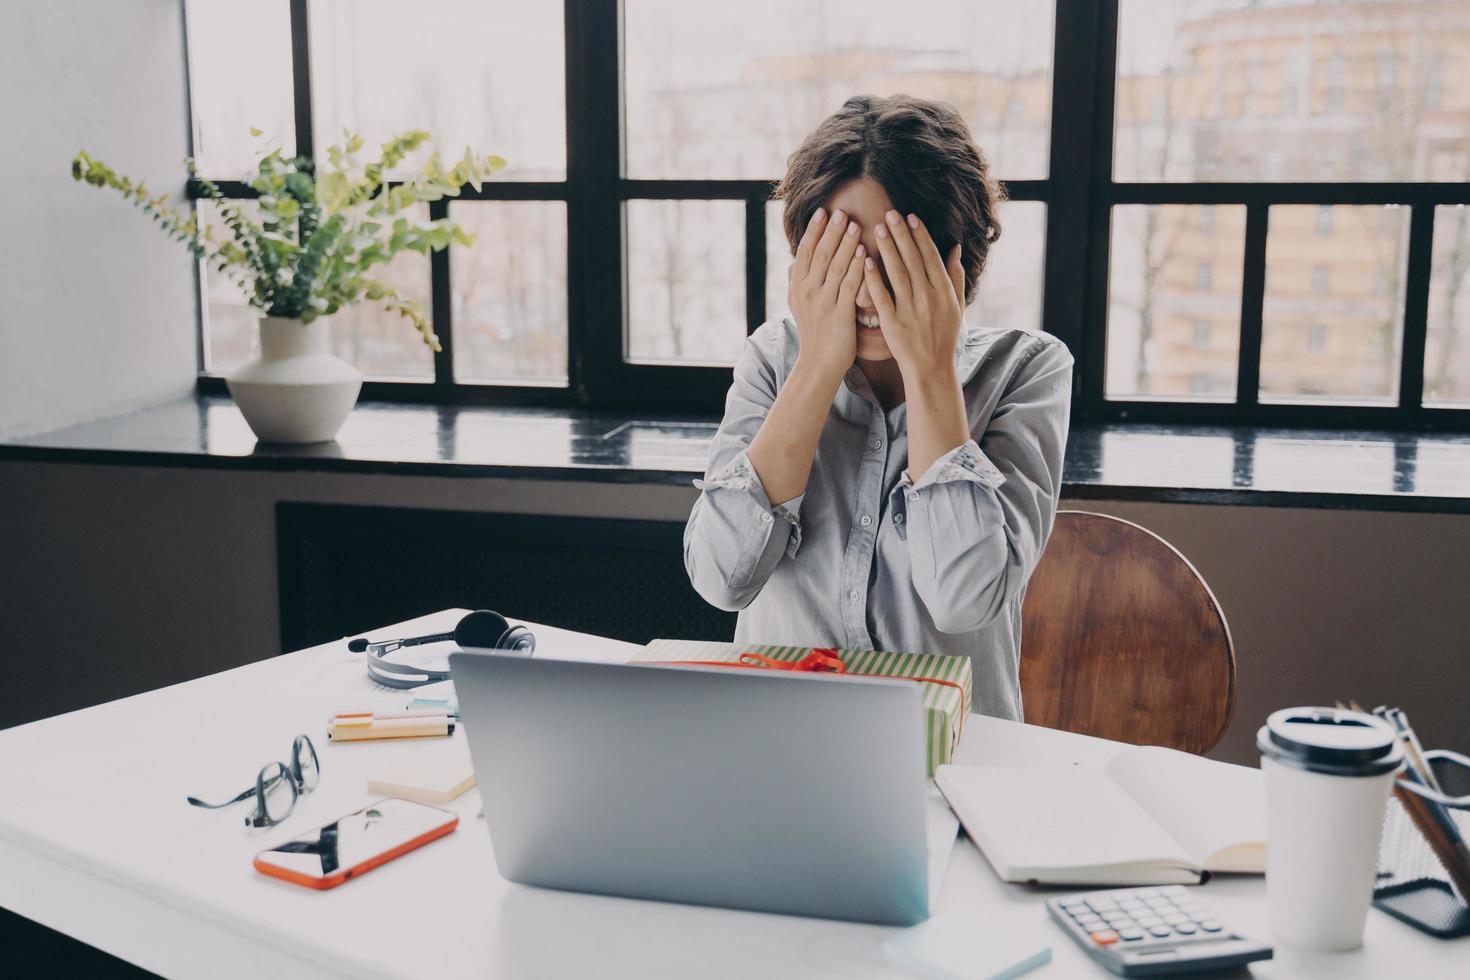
956, 270
847, 289
934, 266
841, 262
802, 263
893, 263
913, 262
827, 247
877, 290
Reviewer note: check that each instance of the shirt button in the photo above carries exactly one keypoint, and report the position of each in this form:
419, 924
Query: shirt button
766, 518
913, 495
853, 595
898, 518
866, 521
877, 443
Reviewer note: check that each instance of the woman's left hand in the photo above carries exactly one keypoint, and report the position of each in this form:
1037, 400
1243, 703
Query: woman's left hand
921, 319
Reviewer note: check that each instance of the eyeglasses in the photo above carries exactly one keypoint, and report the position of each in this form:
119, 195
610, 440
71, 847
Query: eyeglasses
277, 786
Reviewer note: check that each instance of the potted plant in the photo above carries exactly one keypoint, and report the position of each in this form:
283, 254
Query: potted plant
307, 251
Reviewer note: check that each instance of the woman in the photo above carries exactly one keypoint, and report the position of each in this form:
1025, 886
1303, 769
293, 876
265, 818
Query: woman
882, 480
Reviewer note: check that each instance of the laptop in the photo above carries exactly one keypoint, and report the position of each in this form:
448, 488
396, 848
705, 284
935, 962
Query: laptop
796, 794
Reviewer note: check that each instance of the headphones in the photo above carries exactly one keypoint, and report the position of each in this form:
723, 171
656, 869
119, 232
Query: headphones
481, 629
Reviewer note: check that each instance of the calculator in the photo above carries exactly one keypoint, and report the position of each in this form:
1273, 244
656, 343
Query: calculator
1145, 932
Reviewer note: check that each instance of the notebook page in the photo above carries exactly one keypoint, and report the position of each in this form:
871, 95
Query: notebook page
1215, 810
1056, 823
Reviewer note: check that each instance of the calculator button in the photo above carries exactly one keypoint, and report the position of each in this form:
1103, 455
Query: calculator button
1160, 931
1130, 903
1116, 915
1091, 923
1129, 934
1105, 937
1185, 928
1211, 925
1072, 903
1148, 921
1102, 904
1156, 901
1175, 918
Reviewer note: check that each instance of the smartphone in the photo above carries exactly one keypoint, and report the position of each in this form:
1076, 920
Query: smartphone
356, 844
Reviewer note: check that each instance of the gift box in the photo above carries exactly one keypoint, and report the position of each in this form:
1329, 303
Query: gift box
946, 682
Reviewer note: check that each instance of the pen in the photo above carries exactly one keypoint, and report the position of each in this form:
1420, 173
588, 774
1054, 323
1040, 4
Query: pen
404, 713
361, 727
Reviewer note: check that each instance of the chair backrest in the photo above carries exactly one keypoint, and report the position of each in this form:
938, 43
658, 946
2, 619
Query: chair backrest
1121, 638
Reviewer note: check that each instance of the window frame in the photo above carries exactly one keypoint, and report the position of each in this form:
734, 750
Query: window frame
1079, 192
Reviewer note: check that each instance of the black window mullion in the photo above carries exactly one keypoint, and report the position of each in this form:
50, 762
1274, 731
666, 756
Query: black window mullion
1252, 304
1416, 307
301, 79
440, 312
755, 261
1074, 300
595, 277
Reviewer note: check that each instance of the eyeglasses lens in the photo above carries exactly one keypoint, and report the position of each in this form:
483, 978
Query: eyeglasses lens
311, 769
279, 792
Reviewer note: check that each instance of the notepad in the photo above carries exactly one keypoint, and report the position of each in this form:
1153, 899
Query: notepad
1151, 816
436, 780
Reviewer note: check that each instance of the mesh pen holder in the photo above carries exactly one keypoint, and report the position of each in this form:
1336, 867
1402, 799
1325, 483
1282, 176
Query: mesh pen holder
1413, 885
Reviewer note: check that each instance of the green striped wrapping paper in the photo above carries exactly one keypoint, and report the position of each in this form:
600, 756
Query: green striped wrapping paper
944, 707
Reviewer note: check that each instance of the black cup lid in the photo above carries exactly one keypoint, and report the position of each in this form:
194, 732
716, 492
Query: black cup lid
1335, 741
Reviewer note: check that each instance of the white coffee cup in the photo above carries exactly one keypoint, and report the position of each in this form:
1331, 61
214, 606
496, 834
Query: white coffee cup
1328, 773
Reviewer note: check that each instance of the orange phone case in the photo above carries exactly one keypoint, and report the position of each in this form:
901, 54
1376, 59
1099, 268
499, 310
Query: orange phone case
343, 874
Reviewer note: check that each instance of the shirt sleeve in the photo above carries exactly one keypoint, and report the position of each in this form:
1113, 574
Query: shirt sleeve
978, 518
735, 537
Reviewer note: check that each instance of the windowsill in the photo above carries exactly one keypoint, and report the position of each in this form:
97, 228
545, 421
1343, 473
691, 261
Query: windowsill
1113, 461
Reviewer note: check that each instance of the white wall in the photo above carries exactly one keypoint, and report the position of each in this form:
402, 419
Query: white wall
97, 307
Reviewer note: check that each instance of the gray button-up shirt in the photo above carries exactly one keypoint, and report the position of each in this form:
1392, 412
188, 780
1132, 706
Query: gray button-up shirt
867, 558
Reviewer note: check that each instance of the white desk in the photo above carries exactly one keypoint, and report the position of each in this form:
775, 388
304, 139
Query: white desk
97, 842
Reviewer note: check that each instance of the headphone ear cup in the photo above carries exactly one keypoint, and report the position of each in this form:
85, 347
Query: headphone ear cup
482, 629
518, 638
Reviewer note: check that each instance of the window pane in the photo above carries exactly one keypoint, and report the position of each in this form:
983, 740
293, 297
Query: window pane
1447, 346
484, 73
1010, 287
1174, 301
1009, 293
686, 281
510, 292
239, 77
229, 320
383, 344
778, 261
730, 90
1341, 344
1224, 90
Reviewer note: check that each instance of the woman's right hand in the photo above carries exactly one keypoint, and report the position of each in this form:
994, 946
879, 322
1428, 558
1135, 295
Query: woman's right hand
822, 292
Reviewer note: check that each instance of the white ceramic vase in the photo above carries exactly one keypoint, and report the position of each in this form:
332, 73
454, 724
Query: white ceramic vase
296, 391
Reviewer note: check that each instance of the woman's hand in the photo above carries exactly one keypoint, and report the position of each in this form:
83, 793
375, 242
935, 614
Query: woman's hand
921, 319
822, 292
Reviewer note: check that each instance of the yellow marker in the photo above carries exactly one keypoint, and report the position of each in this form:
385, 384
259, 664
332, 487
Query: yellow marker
355, 728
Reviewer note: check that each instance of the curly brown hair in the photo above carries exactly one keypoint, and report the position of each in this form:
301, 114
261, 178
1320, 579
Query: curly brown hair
921, 153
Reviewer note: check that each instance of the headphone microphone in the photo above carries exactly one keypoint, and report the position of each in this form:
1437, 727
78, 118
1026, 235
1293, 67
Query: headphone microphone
479, 630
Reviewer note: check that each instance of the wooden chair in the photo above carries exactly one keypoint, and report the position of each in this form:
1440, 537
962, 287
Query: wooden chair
1121, 638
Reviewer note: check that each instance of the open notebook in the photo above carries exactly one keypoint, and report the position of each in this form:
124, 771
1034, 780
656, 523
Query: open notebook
1151, 816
